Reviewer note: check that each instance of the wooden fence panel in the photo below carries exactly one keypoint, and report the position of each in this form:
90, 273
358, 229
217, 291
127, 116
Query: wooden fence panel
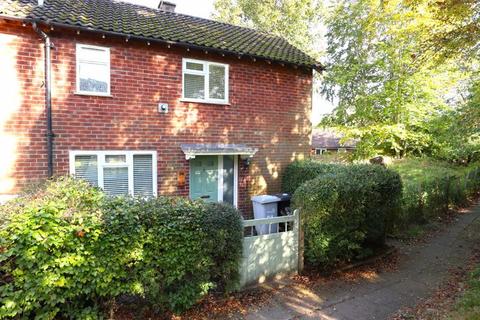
273, 254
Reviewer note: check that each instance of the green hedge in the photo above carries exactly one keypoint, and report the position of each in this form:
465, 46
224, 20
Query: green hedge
225, 233
299, 172
433, 191
67, 250
346, 211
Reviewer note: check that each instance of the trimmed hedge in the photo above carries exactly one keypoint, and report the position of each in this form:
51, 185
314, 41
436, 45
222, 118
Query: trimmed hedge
346, 211
300, 171
67, 250
225, 233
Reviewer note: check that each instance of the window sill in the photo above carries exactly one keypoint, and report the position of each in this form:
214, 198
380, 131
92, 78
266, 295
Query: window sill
105, 95
205, 102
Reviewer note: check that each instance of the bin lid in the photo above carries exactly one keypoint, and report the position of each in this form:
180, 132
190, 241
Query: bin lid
265, 199
283, 196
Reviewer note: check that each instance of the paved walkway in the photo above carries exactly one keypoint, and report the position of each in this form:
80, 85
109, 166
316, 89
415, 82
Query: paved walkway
421, 269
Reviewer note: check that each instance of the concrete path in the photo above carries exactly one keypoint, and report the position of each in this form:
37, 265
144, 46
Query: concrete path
421, 269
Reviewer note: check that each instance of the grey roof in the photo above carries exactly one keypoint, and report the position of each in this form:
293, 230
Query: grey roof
329, 139
120, 18
192, 150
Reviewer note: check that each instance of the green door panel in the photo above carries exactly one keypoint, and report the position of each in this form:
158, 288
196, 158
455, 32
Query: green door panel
204, 178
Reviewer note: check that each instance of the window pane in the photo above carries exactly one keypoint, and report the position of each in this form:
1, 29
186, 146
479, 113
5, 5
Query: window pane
194, 86
228, 179
142, 175
115, 181
217, 82
93, 77
194, 66
86, 169
93, 55
115, 159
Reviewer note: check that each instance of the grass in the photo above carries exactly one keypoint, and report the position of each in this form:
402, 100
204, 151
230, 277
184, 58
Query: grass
468, 306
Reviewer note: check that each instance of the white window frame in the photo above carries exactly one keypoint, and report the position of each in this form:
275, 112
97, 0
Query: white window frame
205, 73
101, 164
79, 61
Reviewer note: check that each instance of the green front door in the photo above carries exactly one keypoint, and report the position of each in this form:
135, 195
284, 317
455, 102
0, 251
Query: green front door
204, 178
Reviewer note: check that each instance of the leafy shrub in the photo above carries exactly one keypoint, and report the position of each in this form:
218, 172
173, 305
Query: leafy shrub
381, 190
50, 261
299, 172
174, 268
432, 188
224, 228
346, 211
67, 249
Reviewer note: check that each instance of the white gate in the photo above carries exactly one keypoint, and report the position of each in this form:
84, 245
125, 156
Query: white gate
272, 254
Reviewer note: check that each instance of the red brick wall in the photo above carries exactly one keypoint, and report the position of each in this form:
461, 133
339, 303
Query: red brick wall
269, 109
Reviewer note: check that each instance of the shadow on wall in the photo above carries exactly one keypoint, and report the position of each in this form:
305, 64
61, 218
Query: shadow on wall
140, 79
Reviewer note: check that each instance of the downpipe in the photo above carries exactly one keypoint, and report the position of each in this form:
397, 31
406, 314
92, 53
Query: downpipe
48, 96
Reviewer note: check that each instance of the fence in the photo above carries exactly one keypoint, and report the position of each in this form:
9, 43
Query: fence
271, 254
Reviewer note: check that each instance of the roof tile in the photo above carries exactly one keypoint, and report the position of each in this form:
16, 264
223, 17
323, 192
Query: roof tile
134, 20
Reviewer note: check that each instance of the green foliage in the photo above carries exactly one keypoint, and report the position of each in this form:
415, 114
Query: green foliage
67, 249
458, 132
346, 211
224, 227
431, 188
49, 261
299, 172
451, 29
384, 97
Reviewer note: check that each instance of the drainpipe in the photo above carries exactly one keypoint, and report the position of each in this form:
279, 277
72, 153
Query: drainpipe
48, 96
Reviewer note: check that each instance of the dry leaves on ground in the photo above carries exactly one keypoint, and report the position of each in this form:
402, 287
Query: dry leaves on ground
443, 300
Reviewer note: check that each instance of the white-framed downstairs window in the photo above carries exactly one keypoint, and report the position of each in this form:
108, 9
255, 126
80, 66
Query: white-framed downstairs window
93, 70
117, 172
205, 81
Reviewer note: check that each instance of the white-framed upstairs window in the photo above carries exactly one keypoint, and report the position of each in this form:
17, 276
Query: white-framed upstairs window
204, 81
117, 172
93, 70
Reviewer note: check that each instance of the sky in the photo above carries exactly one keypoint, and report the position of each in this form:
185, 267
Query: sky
204, 9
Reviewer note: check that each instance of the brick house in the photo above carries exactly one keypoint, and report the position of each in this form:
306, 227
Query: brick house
148, 102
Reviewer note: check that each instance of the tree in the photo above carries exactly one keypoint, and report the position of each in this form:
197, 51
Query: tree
458, 132
452, 28
384, 97
295, 20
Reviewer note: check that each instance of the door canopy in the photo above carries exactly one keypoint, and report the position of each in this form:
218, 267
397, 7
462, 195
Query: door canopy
210, 149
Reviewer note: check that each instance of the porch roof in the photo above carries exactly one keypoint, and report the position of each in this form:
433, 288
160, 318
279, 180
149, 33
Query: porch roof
208, 149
